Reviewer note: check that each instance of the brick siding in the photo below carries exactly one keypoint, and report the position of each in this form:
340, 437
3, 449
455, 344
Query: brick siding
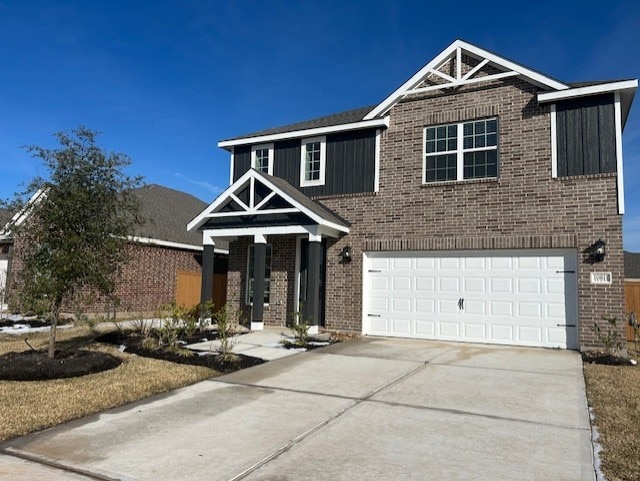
146, 283
524, 208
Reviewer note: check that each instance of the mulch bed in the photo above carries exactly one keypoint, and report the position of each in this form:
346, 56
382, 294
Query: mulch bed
36, 365
603, 357
132, 341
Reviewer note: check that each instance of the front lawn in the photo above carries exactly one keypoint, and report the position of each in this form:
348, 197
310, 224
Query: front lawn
30, 406
614, 394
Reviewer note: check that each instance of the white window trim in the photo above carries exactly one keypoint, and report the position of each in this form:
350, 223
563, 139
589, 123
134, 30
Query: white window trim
247, 296
323, 160
254, 161
460, 151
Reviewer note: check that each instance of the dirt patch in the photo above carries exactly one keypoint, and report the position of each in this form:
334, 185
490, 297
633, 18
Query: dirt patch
133, 343
36, 365
604, 357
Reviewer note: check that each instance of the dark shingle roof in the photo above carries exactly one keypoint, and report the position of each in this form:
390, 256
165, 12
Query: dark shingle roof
167, 212
347, 117
631, 265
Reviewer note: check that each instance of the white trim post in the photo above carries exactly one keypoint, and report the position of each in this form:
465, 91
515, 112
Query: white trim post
554, 143
619, 174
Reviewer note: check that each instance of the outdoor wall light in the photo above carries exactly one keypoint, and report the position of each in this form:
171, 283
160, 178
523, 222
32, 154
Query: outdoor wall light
345, 254
598, 250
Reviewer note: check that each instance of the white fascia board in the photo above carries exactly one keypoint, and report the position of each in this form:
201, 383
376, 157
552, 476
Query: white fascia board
23, 214
305, 133
590, 90
269, 231
532, 75
163, 243
199, 220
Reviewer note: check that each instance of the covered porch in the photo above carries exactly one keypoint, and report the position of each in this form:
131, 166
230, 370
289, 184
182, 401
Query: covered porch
267, 222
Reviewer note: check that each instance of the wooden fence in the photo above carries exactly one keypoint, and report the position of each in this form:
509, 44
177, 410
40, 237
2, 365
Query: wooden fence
188, 287
632, 302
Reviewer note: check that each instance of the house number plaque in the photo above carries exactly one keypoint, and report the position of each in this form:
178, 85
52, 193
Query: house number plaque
603, 278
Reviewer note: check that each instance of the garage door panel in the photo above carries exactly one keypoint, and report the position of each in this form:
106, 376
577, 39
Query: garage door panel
401, 326
475, 284
529, 285
502, 333
402, 283
402, 263
530, 309
521, 297
530, 334
425, 306
475, 332
501, 308
501, 285
401, 304
425, 328
380, 283
426, 284
449, 330
449, 284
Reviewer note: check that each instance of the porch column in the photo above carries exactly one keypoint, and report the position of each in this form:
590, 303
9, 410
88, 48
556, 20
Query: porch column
312, 306
208, 256
259, 263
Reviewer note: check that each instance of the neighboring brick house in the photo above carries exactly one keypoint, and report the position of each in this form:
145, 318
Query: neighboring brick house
466, 206
158, 251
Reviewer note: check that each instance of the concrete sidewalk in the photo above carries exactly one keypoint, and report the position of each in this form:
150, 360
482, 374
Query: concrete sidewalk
368, 409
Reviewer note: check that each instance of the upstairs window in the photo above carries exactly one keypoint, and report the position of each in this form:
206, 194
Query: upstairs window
262, 158
463, 151
312, 162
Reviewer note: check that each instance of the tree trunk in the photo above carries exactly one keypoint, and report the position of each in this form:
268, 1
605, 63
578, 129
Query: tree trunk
54, 324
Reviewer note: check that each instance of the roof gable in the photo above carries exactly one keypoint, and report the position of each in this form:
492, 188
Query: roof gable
446, 71
257, 194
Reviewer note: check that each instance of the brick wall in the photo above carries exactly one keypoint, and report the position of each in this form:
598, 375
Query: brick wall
523, 208
147, 281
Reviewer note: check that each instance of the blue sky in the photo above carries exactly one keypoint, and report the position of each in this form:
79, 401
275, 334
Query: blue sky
165, 80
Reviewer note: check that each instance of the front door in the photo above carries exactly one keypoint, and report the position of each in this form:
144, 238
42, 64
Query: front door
304, 260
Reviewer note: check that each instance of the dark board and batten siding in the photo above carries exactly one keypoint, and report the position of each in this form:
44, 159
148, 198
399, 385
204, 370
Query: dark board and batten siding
350, 163
586, 136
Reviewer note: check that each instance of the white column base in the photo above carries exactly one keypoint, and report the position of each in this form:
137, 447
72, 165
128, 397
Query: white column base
313, 330
257, 326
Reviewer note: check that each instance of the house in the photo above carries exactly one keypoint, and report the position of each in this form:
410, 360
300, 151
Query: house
161, 251
481, 201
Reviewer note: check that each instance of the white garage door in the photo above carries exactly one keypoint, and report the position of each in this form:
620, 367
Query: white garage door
522, 297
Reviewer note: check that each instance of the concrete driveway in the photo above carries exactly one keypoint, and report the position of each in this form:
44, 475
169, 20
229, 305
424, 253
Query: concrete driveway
369, 409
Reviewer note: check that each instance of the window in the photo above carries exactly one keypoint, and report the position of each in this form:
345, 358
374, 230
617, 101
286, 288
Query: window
312, 164
250, 274
262, 158
463, 151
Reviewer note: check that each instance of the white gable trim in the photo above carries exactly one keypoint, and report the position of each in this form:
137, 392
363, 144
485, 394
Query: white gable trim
294, 134
456, 49
590, 90
249, 178
23, 214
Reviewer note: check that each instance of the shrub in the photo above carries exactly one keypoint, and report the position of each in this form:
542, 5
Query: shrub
228, 329
609, 336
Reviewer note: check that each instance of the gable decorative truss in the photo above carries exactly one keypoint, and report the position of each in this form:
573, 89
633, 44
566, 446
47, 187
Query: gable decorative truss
255, 195
447, 71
